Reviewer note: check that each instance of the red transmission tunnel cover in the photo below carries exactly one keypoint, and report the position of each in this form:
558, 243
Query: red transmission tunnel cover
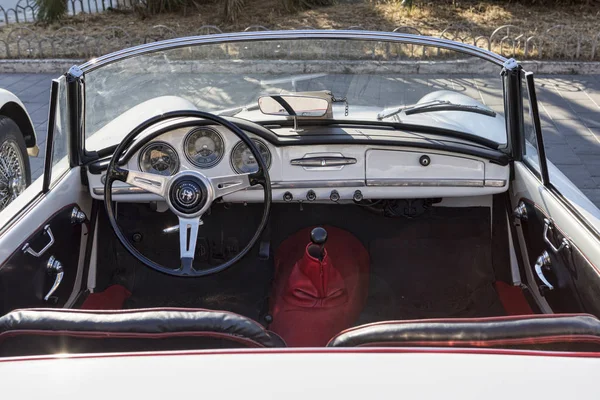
313, 300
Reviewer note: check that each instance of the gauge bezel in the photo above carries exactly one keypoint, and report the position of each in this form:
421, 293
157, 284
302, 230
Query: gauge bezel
190, 158
158, 143
239, 144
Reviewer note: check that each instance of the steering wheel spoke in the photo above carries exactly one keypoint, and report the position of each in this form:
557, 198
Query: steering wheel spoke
188, 236
152, 183
224, 185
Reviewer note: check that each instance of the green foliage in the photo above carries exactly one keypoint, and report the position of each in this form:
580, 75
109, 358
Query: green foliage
51, 10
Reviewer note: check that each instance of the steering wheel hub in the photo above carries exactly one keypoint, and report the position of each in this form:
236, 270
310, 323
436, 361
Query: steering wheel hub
188, 194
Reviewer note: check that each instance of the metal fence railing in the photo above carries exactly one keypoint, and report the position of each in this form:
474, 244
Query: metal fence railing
18, 41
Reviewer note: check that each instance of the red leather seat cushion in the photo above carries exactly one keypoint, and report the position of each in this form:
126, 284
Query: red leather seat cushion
309, 309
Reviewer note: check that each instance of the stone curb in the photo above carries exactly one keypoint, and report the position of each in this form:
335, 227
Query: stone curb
59, 66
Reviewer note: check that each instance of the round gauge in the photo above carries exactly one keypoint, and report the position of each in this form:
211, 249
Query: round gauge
204, 147
159, 158
242, 159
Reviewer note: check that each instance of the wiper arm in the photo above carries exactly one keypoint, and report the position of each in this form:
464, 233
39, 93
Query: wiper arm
435, 105
230, 112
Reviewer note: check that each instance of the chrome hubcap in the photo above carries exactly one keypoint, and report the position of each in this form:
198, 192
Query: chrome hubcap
12, 170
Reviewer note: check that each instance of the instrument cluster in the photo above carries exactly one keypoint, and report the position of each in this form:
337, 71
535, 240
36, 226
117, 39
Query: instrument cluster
203, 147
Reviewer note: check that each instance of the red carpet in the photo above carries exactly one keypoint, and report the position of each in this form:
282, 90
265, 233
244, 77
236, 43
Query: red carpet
313, 300
513, 299
112, 298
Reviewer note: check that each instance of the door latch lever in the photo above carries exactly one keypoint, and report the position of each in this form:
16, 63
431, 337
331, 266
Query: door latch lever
542, 262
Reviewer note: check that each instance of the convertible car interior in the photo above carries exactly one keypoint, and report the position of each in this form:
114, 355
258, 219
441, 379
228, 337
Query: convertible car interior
294, 219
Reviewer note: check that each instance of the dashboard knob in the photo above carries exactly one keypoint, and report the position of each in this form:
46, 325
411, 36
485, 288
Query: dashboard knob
311, 195
358, 196
334, 196
287, 196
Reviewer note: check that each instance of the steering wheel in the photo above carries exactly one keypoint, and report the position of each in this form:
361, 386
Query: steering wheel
189, 194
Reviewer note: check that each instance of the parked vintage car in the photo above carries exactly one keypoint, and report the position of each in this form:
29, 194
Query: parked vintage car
17, 142
298, 213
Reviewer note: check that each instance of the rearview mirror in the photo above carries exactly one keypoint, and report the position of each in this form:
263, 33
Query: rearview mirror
301, 106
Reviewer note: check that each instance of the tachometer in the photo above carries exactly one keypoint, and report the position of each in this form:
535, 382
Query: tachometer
159, 158
242, 159
203, 147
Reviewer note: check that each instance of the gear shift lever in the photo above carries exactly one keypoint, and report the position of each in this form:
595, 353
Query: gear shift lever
318, 237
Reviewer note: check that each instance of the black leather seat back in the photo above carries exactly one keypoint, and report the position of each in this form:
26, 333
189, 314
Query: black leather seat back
50, 331
559, 332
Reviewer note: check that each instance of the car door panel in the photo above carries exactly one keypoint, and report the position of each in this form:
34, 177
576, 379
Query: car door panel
24, 278
572, 271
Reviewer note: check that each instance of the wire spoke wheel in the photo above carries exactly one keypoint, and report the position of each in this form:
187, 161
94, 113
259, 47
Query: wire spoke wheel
12, 172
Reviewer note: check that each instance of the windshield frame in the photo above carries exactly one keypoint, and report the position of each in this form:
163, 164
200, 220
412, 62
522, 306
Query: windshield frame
76, 76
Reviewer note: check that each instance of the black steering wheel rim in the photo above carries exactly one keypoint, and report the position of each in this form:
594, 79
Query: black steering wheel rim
261, 177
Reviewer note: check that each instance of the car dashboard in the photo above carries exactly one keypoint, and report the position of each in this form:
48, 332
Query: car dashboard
313, 170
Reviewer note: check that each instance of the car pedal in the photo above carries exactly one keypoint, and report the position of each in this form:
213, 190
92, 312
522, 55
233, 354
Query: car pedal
232, 248
202, 252
264, 250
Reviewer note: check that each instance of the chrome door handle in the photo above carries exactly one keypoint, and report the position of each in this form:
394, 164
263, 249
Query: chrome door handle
54, 266
564, 244
28, 249
541, 262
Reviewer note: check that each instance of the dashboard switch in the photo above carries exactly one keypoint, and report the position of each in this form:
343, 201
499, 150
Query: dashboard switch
358, 196
311, 195
287, 196
334, 196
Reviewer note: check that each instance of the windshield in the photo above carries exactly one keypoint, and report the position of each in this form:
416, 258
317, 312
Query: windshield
367, 81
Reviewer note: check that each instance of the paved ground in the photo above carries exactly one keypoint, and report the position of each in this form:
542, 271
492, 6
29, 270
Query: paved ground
570, 108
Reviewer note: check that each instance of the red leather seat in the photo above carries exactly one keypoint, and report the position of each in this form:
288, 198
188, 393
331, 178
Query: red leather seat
312, 300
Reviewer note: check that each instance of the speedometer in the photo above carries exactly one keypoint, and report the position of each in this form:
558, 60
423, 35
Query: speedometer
242, 159
159, 158
203, 147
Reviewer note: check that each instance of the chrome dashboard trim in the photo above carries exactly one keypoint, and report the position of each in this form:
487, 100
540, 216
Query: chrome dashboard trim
495, 183
426, 182
324, 161
347, 183
274, 185
121, 190
318, 184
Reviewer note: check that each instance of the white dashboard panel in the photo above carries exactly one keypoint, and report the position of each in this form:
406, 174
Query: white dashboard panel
378, 172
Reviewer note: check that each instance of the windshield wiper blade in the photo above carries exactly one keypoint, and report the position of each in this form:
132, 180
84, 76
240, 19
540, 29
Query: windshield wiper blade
436, 105
230, 112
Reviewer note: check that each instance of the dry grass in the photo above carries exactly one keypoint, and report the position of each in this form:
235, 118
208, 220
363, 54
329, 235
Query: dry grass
429, 17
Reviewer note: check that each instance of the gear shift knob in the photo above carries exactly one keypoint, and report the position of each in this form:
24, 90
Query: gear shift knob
318, 237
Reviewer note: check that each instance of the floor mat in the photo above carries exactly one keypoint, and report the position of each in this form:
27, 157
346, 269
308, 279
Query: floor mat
113, 298
513, 299
419, 278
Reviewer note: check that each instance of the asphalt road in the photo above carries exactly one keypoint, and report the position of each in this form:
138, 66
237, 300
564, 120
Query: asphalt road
570, 107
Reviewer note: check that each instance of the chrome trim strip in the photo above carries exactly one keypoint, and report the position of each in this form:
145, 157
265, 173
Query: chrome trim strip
325, 161
495, 182
426, 182
292, 35
317, 184
274, 185
347, 183
121, 190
